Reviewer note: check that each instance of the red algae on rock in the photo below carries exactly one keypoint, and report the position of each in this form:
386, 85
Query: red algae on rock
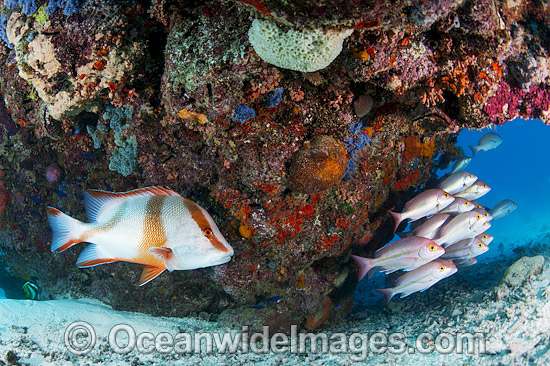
318, 165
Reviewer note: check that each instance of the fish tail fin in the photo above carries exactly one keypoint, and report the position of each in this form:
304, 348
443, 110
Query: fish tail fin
475, 149
388, 293
439, 241
365, 265
398, 217
66, 231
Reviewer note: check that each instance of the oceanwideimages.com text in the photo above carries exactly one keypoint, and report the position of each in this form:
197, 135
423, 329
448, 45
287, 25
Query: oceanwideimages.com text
81, 339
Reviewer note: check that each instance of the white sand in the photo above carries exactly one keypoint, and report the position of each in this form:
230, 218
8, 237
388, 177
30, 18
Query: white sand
517, 327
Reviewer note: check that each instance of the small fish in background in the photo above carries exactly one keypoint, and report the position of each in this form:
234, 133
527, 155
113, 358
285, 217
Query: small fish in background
465, 249
457, 182
275, 299
462, 226
502, 209
154, 226
420, 279
488, 142
461, 164
465, 263
475, 191
405, 254
459, 205
423, 204
31, 290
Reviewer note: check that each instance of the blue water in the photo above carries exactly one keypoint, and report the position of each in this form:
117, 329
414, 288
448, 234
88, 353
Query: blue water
518, 170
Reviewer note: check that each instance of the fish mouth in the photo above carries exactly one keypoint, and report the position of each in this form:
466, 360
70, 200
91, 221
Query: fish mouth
226, 258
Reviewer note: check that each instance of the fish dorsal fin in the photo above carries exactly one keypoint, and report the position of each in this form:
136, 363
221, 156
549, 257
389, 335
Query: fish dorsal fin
150, 273
97, 202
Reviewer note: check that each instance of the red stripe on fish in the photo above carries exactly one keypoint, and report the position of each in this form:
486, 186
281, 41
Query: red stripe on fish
200, 219
154, 234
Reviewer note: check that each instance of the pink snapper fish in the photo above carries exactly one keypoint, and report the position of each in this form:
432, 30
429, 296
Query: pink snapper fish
420, 279
428, 202
473, 192
458, 206
154, 226
405, 254
457, 182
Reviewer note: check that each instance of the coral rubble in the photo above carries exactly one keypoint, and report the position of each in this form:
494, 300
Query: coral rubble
297, 168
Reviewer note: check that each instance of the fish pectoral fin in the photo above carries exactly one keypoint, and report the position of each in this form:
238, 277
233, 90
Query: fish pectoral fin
92, 256
163, 254
150, 273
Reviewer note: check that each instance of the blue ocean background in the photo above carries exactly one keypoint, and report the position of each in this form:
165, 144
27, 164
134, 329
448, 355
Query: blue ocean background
518, 170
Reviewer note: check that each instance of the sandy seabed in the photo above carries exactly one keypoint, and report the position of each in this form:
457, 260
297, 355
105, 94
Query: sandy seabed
514, 322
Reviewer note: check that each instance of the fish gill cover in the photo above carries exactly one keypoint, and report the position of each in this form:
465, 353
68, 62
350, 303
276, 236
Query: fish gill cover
209, 121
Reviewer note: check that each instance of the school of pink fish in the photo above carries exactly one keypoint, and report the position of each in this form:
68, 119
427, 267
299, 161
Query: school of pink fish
448, 232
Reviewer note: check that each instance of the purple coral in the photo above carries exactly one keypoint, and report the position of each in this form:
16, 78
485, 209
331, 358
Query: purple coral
274, 97
505, 100
243, 113
53, 173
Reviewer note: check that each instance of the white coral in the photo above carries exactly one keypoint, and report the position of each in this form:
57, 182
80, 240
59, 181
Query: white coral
299, 50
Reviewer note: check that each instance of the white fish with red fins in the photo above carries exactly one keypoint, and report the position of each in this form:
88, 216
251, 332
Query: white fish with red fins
457, 182
488, 142
474, 191
458, 206
423, 204
405, 254
420, 279
154, 226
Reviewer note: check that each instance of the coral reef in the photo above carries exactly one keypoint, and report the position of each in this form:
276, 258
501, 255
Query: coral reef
297, 176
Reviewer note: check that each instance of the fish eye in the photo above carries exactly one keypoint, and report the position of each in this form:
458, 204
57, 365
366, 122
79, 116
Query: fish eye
207, 232
470, 176
441, 268
480, 245
486, 214
485, 236
432, 247
466, 203
478, 216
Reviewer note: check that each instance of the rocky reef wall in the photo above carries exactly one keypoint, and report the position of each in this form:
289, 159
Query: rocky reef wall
296, 168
